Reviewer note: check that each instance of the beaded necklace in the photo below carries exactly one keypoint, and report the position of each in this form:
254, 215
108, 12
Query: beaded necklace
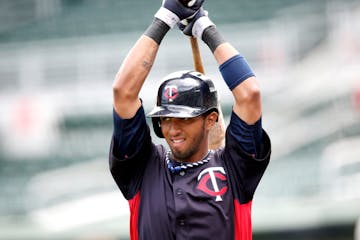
176, 167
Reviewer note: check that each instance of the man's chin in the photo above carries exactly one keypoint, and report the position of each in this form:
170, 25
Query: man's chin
180, 155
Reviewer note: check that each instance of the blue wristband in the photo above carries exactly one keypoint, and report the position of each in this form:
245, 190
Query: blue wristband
235, 71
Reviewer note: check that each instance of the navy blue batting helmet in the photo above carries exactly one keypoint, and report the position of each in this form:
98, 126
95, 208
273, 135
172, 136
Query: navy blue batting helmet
183, 94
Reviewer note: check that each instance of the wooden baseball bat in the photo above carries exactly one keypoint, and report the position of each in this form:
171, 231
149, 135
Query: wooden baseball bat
198, 64
217, 133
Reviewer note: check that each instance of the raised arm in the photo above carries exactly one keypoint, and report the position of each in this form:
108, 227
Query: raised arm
247, 93
234, 68
137, 64
131, 76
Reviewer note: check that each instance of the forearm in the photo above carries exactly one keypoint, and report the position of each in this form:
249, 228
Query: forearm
131, 76
135, 69
237, 75
247, 128
224, 52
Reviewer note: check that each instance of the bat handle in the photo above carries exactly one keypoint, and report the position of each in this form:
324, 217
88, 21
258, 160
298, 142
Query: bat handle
217, 132
198, 64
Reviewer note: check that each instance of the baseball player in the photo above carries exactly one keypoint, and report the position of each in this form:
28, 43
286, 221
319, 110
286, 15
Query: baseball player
184, 190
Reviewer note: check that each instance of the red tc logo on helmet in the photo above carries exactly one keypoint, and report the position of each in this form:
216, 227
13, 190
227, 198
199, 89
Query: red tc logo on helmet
171, 92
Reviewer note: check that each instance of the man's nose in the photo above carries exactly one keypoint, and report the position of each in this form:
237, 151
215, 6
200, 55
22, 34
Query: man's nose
174, 125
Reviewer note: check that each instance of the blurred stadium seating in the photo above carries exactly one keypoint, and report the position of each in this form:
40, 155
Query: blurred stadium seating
58, 61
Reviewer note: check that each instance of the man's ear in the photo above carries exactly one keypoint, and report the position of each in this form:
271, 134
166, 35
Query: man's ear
211, 119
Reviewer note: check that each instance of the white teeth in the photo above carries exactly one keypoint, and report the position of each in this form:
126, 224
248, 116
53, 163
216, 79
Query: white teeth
178, 141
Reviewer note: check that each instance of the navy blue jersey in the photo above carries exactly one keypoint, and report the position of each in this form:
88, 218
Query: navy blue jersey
207, 201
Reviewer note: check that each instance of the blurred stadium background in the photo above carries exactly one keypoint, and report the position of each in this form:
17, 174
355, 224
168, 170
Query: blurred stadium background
59, 58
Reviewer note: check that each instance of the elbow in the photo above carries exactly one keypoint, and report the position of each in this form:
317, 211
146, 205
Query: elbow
250, 95
117, 89
248, 101
121, 91
253, 95
252, 100
123, 95
118, 84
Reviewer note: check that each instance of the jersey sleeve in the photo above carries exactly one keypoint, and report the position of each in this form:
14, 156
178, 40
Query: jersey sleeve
245, 170
130, 144
248, 136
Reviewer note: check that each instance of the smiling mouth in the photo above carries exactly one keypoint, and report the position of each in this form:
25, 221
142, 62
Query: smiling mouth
177, 141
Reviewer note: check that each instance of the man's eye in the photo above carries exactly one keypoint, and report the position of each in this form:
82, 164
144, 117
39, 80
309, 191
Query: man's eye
165, 119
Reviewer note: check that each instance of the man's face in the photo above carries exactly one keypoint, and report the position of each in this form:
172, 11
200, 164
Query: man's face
186, 137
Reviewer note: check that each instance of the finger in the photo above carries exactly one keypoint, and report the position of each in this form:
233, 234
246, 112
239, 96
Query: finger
191, 3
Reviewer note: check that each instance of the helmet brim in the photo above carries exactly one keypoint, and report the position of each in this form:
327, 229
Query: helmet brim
175, 111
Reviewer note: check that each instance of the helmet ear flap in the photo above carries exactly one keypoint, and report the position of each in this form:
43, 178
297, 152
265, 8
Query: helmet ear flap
157, 127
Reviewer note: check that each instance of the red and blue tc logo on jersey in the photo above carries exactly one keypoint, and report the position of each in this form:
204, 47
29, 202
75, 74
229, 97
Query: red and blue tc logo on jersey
212, 181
